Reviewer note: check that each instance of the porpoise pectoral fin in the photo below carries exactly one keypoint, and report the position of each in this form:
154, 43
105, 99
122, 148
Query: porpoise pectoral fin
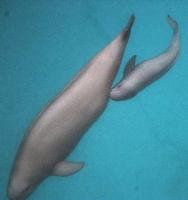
67, 168
130, 66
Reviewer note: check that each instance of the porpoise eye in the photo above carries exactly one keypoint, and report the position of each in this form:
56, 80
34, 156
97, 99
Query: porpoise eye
118, 86
26, 189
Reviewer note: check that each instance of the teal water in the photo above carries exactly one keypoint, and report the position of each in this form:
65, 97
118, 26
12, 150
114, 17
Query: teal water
138, 149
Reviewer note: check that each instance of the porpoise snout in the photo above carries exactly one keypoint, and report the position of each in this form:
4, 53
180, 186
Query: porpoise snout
120, 92
116, 94
18, 191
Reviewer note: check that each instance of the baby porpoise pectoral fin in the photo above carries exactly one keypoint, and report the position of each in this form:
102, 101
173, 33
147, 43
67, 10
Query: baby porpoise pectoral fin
130, 66
67, 168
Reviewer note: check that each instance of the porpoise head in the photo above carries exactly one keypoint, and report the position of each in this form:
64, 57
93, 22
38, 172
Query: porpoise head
122, 91
22, 184
19, 189
23, 181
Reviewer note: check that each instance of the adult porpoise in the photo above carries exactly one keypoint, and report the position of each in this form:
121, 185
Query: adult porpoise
137, 77
58, 129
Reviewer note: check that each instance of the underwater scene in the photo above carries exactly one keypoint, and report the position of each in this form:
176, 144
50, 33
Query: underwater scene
128, 143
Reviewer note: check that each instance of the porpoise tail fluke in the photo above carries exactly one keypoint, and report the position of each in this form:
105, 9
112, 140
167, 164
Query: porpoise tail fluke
172, 23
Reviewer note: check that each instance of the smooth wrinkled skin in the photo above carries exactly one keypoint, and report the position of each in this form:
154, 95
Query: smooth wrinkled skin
58, 129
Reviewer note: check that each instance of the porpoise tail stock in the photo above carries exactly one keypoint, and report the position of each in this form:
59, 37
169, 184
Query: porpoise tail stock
137, 77
60, 126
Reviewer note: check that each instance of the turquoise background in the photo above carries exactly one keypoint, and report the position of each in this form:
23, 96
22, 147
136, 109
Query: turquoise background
138, 149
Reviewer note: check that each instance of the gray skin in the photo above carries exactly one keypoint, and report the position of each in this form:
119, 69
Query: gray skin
137, 77
58, 129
